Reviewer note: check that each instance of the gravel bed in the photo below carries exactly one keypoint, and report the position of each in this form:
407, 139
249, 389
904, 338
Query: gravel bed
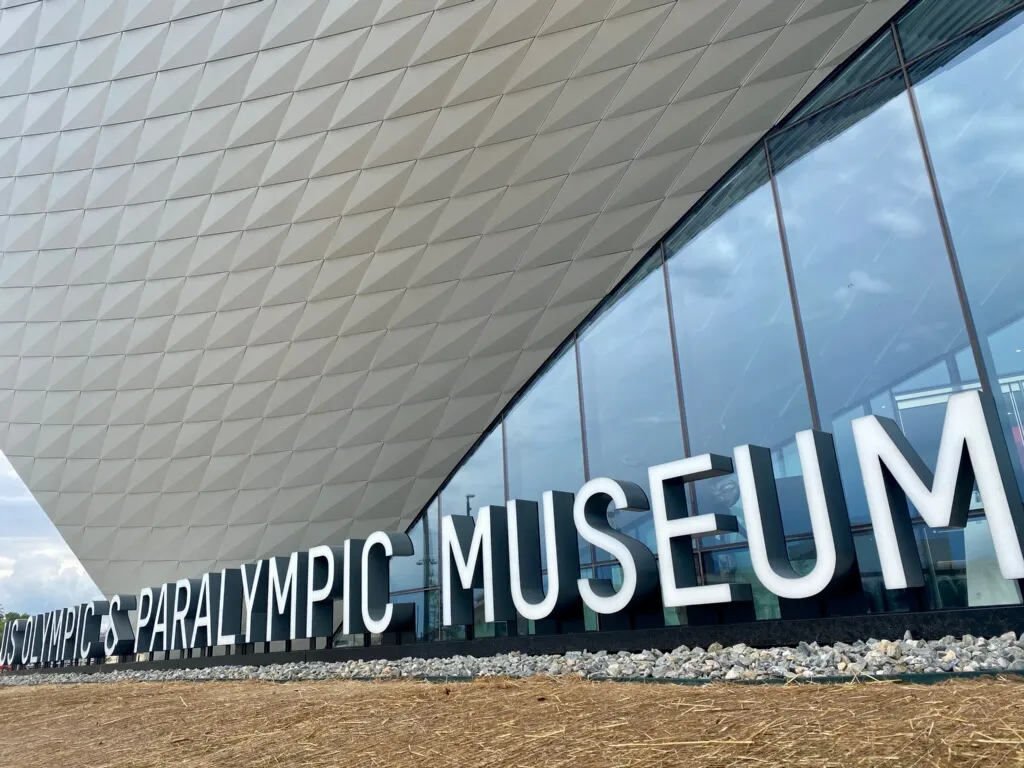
874, 658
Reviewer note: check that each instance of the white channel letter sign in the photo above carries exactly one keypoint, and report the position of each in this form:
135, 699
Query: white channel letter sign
504, 550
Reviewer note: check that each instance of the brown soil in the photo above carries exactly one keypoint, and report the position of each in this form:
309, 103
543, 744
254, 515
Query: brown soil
536, 723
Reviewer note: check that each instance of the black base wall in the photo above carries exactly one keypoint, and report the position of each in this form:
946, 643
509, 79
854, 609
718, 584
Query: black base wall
931, 625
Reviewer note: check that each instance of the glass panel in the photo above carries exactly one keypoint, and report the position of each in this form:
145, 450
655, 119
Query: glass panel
942, 555
920, 416
742, 375
589, 617
348, 641
673, 617
433, 544
543, 438
482, 628
966, 367
428, 612
1014, 393
432, 615
972, 109
932, 22
961, 569
801, 555
631, 405
872, 273
413, 572
933, 376
880, 599
878, 59
793, 144
747, 177
985, 583
732, 566
479, 482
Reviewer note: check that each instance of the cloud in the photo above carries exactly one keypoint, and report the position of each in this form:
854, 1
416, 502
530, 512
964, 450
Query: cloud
41, 574
38, 571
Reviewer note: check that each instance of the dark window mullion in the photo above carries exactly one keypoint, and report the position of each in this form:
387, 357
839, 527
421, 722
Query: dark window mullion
947, 234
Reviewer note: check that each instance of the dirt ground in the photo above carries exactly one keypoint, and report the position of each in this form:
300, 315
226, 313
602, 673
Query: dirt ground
533, 723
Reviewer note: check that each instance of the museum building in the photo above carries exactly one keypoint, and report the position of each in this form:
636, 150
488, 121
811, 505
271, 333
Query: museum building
277, 274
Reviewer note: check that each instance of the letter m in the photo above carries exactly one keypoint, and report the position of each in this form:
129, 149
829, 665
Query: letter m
971, 450
477, 554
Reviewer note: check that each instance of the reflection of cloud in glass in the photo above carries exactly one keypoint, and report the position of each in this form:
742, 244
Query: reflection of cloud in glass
715, 255
544, 442
630, 401
864, 236
481, 478
992, 131
972, 110
742, 379
862, 282
1012, 162
973, 113
900, 222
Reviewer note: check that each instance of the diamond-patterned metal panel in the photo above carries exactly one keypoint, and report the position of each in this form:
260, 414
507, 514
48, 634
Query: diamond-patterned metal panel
270, 267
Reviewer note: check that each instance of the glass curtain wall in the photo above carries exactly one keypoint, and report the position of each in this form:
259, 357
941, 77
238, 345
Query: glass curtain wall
866, 257
630, 401
739, 357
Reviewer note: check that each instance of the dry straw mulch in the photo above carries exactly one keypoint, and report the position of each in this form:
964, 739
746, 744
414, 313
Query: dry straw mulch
531, 723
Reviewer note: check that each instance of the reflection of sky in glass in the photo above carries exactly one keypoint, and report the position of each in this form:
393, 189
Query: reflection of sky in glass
1006, 347
742, 376
38, 572
872, 272
479, 482
414, 572
542, 434
973, 114
972, 109
630, 401
543, 439
741, 370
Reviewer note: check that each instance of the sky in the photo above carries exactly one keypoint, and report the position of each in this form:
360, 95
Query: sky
38, 572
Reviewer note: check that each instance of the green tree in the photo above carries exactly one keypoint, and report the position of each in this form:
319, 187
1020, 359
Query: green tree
6, 616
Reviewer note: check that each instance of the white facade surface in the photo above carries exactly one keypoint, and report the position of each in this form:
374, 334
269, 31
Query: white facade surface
270, 268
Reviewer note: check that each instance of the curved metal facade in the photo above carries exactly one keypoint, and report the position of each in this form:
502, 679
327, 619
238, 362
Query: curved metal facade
270, 268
